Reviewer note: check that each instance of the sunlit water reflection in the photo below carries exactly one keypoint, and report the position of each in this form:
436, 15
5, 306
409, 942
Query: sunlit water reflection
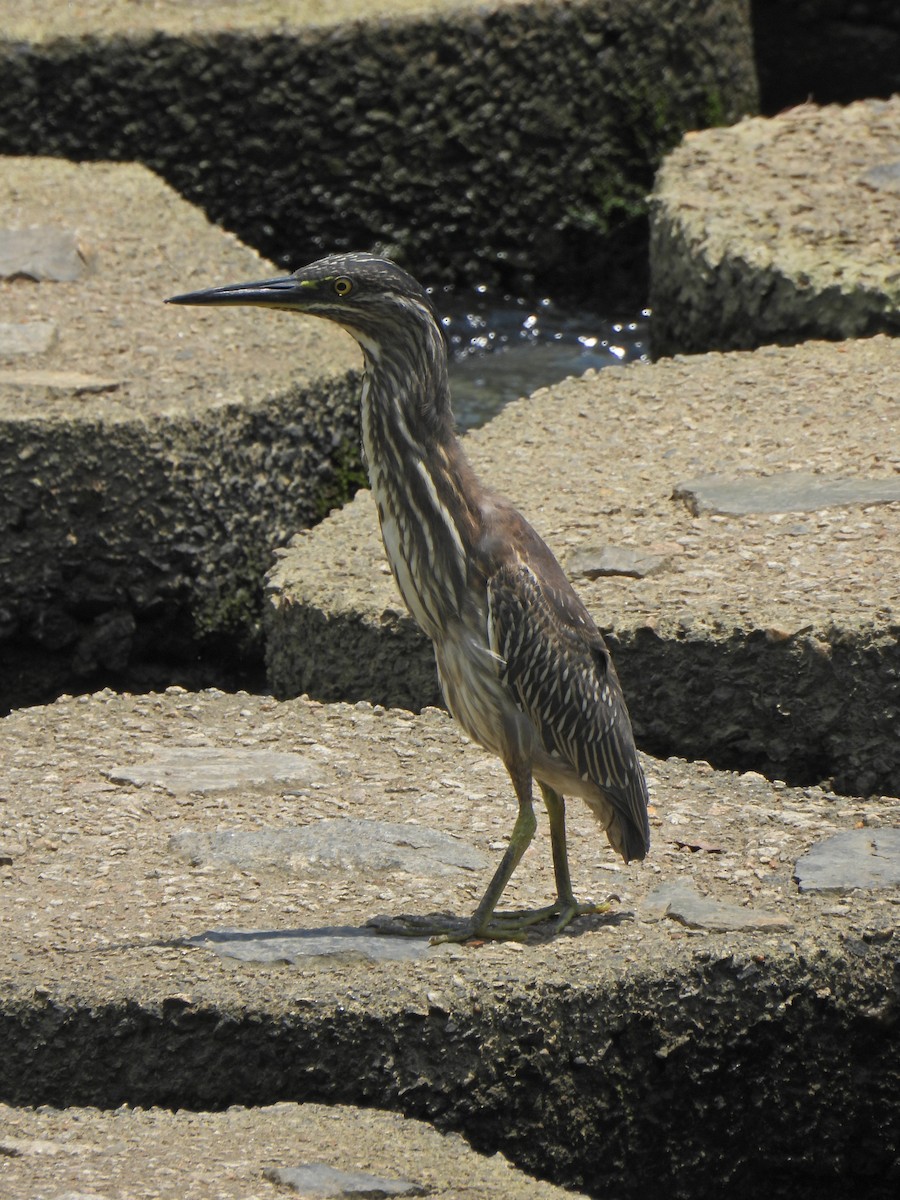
503, 348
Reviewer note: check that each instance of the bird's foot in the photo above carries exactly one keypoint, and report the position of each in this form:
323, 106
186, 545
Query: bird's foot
562, 913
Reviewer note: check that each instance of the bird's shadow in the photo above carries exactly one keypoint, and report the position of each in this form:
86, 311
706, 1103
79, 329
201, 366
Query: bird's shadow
383, 926
538, 934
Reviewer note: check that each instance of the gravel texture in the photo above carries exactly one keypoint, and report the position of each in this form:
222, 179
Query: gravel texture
779, 230
153, 1154
634, 1028
764, 639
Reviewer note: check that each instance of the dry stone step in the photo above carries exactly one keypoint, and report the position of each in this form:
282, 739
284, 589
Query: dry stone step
731, 520
264, 1153
778, 230
151, 457
711, 973
345, 843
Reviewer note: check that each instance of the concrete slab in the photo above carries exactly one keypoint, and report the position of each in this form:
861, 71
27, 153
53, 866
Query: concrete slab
760, 638
151, 457
418, 125
778, 230
246, 1154
630, 1030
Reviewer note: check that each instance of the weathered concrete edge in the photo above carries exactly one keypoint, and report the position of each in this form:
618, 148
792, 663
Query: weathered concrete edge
738, 305
776, 705
180, 533
720, 280
565, 1077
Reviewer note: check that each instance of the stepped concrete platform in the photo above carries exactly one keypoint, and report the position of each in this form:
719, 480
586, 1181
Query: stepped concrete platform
735, 994
733, 523
281, 1150
438, 130
151, 456
779, 230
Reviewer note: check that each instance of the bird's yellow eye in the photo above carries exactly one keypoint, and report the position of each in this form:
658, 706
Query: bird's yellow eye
343, 286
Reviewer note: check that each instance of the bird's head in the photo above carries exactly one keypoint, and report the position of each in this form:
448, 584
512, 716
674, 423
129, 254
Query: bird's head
372, 298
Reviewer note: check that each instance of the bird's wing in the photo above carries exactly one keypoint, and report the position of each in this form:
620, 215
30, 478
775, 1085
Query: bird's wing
557, 665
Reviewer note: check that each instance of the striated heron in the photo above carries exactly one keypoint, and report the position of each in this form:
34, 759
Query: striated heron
522, 666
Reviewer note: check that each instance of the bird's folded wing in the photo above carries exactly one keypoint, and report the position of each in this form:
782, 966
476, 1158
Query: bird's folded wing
557, 665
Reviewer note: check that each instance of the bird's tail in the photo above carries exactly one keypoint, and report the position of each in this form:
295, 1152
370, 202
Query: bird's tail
623, 814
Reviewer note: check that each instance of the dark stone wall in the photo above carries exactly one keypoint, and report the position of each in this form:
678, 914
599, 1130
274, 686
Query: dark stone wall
829, 51
512, 146
131, 550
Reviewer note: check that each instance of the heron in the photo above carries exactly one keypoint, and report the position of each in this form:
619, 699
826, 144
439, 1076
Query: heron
522, 666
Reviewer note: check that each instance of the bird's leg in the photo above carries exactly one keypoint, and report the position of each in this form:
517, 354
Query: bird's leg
567, 907
519, 841
484, 922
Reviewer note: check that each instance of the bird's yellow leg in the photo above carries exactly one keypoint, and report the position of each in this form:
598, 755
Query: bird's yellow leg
482, 923
486, 923
566, 907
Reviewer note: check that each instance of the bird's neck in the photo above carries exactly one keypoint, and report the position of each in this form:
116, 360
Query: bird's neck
424, 489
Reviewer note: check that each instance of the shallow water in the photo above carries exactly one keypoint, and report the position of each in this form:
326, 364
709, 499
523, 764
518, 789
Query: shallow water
503, 348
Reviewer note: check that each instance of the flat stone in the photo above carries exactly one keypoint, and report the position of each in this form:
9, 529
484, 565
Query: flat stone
339, 843
74, 382
26, 337
885, 176
245, 1152
41, 254
857, 858
685, 904
319, 1180
212, 769
335, 943
594, 562
789, 491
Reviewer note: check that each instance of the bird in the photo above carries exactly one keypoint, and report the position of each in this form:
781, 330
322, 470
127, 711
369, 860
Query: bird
521, 664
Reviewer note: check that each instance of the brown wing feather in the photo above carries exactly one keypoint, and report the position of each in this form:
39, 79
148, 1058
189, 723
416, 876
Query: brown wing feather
561, 674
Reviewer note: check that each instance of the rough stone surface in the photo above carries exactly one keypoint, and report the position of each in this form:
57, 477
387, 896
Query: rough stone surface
685, 904
419, 126
344, 944
593, 562
151, 456
216, 769
241, 1154
753, 239
564, 1053
859, 858
769, 640
26, 337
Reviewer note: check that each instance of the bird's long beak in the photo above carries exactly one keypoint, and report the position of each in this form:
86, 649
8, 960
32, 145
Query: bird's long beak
272, 293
